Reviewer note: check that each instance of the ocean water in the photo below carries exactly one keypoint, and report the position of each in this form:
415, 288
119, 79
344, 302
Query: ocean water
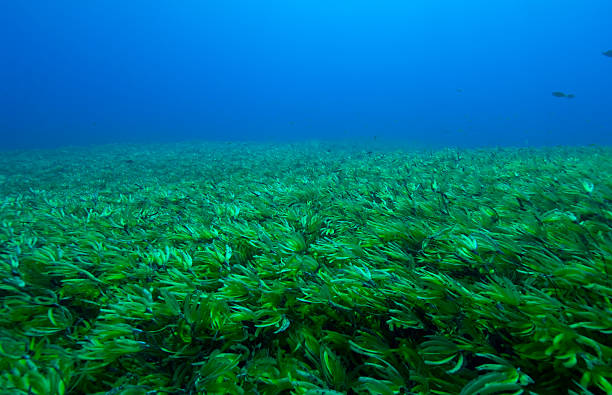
310, 198
473, 73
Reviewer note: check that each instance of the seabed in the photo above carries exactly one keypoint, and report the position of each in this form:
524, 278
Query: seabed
314, 268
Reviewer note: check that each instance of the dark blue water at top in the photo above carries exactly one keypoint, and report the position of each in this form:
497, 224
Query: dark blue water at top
467, 73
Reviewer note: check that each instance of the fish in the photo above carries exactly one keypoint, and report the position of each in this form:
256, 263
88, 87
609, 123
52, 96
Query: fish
608, 53
561, 94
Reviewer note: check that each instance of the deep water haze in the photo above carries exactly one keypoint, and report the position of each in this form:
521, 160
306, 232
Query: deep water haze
456, 73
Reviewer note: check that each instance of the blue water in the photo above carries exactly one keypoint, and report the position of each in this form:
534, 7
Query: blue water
460, 73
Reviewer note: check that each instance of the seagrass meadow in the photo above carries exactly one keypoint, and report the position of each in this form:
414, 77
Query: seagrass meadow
314, 268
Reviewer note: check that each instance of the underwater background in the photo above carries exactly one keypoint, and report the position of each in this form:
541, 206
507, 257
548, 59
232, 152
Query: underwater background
470, 73
306, 198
